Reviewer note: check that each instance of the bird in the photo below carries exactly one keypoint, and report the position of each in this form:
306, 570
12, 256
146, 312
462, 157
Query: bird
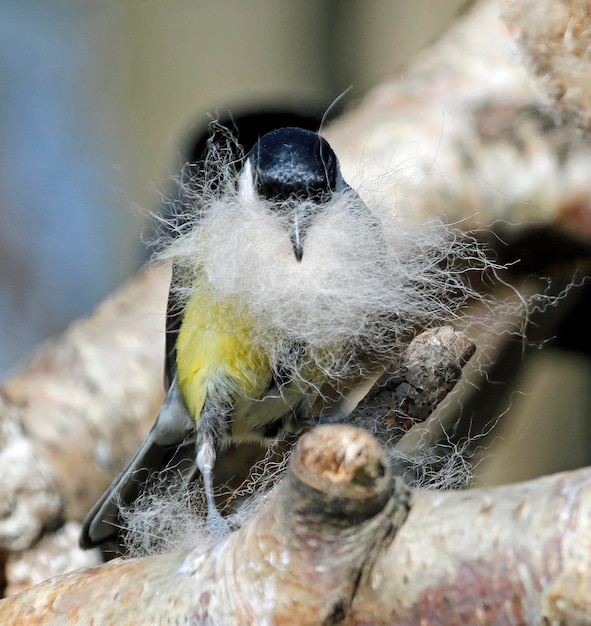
224, 383
290, 295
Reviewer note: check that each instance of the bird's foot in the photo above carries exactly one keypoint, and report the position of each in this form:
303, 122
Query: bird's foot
216, 524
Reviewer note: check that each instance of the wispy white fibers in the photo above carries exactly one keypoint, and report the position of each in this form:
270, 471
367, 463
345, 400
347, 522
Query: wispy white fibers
367, 281
170, 514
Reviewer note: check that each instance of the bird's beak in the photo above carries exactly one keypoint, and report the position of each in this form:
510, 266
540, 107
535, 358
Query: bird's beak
301, 219
297, 234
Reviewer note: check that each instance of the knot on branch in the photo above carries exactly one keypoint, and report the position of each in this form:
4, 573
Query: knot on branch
340, 471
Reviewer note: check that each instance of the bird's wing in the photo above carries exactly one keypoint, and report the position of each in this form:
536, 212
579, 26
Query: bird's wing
169, 442
174, 318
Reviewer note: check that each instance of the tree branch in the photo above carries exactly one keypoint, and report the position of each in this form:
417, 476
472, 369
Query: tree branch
344, 543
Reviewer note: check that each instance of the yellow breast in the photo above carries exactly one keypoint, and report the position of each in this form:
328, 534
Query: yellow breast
216, 356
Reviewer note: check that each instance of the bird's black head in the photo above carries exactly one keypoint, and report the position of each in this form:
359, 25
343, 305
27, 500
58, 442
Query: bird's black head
293, 163
298, 172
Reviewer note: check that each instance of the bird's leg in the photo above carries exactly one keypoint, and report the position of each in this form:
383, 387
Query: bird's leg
216, 524
213, 420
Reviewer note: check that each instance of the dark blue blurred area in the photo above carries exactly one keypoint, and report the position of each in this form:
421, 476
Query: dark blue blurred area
60, 225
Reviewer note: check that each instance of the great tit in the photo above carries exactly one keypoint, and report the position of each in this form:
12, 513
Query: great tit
225, 383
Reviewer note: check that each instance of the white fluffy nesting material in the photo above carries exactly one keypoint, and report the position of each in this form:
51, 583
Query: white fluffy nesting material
367, 281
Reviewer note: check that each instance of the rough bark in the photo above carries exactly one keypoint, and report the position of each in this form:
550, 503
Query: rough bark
69, 420
85, 395
412, 388
343, 543
554, 46
465, 130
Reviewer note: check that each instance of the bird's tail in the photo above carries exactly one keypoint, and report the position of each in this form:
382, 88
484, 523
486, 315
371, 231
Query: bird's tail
170, 444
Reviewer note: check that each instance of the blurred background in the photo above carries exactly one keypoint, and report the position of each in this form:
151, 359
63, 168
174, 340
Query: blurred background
100, 99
